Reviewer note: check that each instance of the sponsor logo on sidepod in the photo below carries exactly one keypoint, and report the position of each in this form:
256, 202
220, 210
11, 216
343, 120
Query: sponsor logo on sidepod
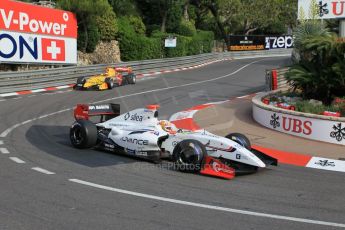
133, 117
135, 141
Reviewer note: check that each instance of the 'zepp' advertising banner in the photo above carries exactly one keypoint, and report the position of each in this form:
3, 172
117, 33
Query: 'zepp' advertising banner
35, 34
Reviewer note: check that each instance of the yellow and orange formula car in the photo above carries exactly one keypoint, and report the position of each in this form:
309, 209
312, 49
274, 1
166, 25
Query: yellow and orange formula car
113, 76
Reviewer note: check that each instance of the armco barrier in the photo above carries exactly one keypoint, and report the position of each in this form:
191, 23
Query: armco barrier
29, 80
310, 126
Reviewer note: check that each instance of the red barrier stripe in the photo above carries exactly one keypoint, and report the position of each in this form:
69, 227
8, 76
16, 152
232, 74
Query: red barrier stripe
274, 79
285, 157
51, 88
24, 92
199, 107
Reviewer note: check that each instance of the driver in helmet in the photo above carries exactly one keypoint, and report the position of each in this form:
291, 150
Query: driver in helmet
168, 127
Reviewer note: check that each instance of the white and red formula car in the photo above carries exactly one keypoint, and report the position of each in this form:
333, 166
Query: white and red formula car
139, 133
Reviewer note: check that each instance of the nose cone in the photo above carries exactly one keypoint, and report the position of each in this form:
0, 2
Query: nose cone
260, 163
253, 159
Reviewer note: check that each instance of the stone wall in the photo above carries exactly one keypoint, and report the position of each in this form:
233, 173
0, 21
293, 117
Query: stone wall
105, 53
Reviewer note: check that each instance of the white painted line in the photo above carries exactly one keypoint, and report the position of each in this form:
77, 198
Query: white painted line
4, 151
9, 130
8, 94
42, 171
2, 100
243, 96
217, 102
17, 160
326, 164
25, 122
1, 142
212, 207
38, 90
62, 87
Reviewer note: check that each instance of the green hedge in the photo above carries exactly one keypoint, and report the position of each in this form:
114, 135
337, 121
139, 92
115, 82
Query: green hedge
201, 42
92, 37
135, 46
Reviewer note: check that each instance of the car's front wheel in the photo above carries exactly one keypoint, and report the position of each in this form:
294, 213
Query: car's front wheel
189, 155
80, 83
240, 139
83, 134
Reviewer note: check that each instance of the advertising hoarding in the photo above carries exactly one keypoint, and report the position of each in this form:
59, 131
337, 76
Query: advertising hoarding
36, 34
278, 42
259, 42
326, 9
245, 43
310, 128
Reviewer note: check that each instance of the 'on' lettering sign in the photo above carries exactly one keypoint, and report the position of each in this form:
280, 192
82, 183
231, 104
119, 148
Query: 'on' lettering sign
36, 34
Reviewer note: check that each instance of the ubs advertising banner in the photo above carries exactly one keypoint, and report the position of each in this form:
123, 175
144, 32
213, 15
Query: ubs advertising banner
323, 8
257, 42
35, 34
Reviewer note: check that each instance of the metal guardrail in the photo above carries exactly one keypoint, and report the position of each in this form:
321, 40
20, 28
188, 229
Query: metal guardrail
36, 79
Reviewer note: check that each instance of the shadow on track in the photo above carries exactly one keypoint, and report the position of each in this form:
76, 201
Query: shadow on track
54, 140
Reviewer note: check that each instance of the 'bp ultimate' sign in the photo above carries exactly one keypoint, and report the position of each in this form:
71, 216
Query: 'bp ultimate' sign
322, 8
35, 34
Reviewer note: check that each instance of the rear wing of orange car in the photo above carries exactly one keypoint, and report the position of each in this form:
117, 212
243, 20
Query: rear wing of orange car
123, 69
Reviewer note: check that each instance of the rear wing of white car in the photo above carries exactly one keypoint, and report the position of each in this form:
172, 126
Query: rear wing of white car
104, 111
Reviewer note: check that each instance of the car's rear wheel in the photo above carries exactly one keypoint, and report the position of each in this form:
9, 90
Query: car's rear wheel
109, 82
240, 139
131, 78
83, 134
188, 155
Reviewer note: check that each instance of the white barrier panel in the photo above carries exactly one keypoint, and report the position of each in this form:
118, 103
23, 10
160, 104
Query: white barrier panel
30, 48
310, 128
35, 34
325, 9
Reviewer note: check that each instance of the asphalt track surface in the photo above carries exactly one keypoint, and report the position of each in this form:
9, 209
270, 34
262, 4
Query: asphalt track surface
47, 184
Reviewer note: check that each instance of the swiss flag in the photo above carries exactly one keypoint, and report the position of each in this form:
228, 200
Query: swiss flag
53, 50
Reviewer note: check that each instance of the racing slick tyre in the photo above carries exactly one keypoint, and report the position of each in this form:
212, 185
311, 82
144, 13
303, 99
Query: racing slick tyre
240, 139
80, 83
109, 82
188, 155
83, 134
131, 79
